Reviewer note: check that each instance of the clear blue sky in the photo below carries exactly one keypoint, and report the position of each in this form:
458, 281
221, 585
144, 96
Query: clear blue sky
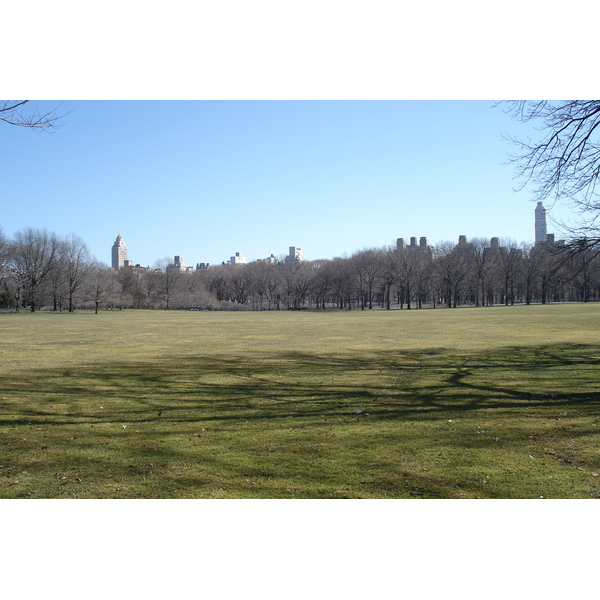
206, 179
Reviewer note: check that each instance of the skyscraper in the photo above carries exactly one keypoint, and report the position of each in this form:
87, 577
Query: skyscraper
540, 224
295, 255
119, 253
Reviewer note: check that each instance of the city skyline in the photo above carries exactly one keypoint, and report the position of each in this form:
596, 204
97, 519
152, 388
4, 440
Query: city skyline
119, 251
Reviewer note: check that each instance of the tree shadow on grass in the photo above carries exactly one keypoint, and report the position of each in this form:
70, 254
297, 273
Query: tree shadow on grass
415, 384
169, 400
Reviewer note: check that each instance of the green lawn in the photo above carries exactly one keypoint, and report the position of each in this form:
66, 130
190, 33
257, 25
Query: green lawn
470, 403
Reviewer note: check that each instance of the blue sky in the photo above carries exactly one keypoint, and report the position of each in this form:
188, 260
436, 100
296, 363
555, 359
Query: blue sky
206, 179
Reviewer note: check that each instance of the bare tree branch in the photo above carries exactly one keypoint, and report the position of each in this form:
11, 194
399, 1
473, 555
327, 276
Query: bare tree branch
13, 112
564, 163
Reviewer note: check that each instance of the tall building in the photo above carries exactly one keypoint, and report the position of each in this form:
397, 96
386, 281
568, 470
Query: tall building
179, 265
295, 255
540, 224
238, 259
422, 247
119, 253
464, 247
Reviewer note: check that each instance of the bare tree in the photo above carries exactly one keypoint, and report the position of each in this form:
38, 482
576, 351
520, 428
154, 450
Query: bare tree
564, 164
367, 269
548, 266
76, 257
530, 271
101, 284
3, 248
451, 269
170, 279
295, 279
411, 263
509, 262
322, 281
264, 283
216, 281
6, 281
56, 281
21, 114
33, 255
390, 270
479, 265
344, 282
584, 272
195, 295
241, 283
134, 288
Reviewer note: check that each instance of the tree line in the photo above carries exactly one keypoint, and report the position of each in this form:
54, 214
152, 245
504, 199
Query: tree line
42, 270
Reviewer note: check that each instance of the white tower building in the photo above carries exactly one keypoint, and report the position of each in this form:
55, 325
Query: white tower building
540, 224
119, 253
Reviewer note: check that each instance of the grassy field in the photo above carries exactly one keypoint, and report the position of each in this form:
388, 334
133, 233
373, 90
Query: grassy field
468, 403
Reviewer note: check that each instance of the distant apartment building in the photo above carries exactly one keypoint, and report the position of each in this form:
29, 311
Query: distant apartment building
271, 260
464, 247
422, 247
119, 254
295, 255
238, 259
180, 265
495, 248
138, 269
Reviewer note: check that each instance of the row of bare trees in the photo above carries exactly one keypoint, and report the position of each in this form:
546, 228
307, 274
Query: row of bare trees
39, 269
379, 278
40, 264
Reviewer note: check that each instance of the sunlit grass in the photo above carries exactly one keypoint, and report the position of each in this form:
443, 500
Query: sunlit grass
473, 403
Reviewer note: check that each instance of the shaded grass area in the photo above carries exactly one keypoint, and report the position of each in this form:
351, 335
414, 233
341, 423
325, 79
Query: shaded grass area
486, 422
